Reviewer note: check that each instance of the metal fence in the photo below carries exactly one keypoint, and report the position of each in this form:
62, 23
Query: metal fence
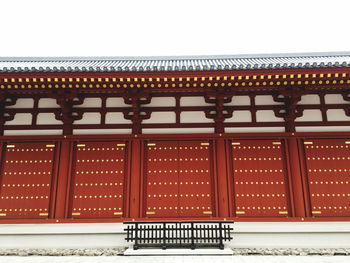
178, 234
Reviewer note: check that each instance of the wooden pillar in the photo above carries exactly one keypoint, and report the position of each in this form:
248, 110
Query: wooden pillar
61, 209
296, 178
135, 178
222, 177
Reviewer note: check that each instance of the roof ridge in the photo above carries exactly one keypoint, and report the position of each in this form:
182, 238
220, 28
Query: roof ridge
197, 57
188, 63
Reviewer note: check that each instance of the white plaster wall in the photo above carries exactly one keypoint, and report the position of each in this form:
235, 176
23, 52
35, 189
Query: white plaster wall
265, 100
194, 117
267, 116
253, 129
194, 101
240, 116
310, 115
161, 117
323, 129
101, 131
48, 103
334, 99
47, 118
186, 117
22, 103
90, 103
31, 132
89, 118
161, 102
177, 130
115, 102
337, 115
21, 119
116, 117
310, 99
239, 101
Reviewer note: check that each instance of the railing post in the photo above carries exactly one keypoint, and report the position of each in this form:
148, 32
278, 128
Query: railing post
192, 236
221, 243
164, 240
136, 237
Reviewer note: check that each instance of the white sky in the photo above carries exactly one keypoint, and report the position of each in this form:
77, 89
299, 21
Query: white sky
165, 27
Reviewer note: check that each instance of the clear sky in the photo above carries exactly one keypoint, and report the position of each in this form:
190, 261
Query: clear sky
165, 27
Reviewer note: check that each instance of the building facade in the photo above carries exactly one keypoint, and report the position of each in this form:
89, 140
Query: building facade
249, 139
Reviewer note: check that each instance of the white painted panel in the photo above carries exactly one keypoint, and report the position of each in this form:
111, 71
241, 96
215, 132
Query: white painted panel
89, 118
267, 116
245, 235
90, 103
22, 103
310, 99
265, 100
161, 117
48, 103
178, 130
21, 119
161, 102
193, 101
337, 115
32, 132
194, 117
239, 101
116, 118
335, 99
47, 118
323, 129
101, 131
253, 129
240, 116
116, 102
310, 115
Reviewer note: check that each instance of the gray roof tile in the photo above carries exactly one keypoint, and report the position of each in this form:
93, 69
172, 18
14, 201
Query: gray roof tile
201, 63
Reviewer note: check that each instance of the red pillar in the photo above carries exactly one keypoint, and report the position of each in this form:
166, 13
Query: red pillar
296, 178
222, 177
135, 178
61, 209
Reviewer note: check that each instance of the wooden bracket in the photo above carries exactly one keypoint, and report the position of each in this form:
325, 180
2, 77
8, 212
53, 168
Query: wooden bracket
6, 99
290, 110
219, 112
136, 113
67, 99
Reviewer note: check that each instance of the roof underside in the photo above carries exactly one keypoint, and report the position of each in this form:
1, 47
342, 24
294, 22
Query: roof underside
157, 64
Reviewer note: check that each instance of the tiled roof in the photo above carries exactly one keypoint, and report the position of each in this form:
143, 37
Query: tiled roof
201, 63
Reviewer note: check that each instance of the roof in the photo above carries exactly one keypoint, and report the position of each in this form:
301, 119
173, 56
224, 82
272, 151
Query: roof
200, 63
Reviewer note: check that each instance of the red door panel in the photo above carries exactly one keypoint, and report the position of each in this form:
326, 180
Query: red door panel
98, 180
26, 180
162, 179
260, 179
328, 171
195, 184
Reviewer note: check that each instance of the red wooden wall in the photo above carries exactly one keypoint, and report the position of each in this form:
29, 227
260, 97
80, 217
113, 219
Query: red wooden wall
98, 182
328, 174
178, 179
260, 178
279, 177
26, 181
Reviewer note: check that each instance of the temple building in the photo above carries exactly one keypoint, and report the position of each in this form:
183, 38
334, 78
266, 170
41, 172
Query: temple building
253, 139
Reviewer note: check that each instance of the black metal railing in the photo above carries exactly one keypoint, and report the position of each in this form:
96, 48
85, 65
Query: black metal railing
178, 234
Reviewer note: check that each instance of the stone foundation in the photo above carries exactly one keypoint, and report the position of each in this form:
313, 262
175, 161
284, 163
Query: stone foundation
120, 251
